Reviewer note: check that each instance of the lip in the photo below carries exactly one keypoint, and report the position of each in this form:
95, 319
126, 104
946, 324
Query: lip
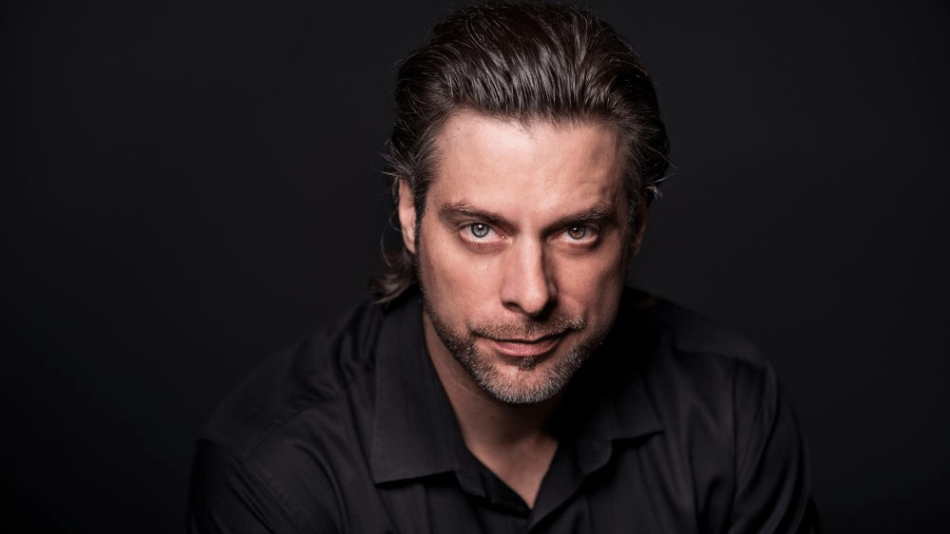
518, 348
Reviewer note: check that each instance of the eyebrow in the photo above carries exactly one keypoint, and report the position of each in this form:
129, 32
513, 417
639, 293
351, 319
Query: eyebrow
452, 213
601, 213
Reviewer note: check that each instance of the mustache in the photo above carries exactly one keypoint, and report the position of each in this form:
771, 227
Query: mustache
530, 329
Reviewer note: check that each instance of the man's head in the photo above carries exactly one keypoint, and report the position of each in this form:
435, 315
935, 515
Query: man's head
524, 62
526, 148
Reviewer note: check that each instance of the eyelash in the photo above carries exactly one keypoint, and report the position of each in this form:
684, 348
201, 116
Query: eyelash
589, 233
583, 228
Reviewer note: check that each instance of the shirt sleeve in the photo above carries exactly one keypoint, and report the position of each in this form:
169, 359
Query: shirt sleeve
773, 480
229, 496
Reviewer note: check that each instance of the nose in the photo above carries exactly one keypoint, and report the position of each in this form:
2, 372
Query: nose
528, 286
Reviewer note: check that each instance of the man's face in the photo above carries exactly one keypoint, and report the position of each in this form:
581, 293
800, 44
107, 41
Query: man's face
521, 250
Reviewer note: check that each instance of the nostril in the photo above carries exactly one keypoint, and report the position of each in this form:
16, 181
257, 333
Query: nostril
528, 286
530, 296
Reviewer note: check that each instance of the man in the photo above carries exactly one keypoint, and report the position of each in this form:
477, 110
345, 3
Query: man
505, 381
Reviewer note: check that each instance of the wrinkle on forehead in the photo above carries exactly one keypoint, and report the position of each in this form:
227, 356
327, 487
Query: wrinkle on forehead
515, 165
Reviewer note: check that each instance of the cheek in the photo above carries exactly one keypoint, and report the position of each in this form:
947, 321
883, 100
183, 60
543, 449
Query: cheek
461, 282
594, 283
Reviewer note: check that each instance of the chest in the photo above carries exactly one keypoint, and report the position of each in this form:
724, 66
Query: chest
634, 492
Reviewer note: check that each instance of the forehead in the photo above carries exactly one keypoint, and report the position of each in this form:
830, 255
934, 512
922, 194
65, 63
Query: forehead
539, 166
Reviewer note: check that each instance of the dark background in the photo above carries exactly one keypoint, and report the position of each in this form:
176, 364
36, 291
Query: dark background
188, 186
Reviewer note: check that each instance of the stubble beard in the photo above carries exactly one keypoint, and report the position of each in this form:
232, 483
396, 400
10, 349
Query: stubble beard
554, 377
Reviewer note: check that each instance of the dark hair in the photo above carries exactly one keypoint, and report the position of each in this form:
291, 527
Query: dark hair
524, 61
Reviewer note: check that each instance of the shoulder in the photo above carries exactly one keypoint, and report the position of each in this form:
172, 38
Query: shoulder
676, 339
275, 448
297, 382
722, 412
689, 365
687, 332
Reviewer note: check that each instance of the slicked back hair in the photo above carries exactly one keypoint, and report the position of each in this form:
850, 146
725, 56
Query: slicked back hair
527, 62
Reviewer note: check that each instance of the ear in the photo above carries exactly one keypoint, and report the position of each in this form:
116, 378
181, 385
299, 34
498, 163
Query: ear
407, 215
639, 228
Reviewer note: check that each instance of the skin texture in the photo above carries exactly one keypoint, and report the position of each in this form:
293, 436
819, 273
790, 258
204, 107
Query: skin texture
521, 250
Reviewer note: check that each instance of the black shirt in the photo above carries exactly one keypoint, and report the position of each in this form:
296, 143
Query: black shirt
672, 426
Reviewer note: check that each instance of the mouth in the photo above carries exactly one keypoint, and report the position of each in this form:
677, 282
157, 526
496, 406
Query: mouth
524, 348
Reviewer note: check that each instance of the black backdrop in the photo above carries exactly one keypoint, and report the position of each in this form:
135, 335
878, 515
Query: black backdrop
189, 185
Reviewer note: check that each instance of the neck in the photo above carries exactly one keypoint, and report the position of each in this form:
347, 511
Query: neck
484, 420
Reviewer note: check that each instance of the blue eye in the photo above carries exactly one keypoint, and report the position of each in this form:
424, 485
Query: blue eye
578, 232
479, 230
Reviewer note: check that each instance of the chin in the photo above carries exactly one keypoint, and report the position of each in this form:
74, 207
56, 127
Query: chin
524, 380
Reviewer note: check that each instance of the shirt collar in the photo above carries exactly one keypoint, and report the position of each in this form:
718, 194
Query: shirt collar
606, 402
415, 430
416, 433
